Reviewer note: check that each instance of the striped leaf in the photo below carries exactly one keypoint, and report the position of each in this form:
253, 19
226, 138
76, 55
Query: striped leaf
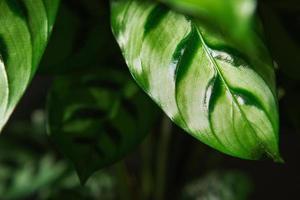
25, 26
223, 97
225, 13
97, 118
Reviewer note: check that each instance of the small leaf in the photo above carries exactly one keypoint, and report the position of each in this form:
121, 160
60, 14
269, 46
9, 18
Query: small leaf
97, 118
25, 27
220, 95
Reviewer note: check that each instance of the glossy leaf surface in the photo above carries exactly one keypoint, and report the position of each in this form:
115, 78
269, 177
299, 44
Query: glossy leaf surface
25, 26
220, 95
97, 118
235, 18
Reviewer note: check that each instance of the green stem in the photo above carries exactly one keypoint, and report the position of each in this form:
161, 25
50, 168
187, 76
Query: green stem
161, 168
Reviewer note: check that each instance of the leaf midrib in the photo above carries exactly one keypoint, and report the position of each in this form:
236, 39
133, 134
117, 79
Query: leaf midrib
216, 67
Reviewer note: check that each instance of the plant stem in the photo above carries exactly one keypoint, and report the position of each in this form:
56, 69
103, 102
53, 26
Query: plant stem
162, 153
146, 173
123, 181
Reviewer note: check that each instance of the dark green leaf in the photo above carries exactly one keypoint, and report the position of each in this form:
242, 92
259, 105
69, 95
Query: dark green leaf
77, 28
97, 118
219, 94
25, 26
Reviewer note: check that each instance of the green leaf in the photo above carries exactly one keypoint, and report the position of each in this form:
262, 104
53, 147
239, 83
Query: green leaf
235, 18
25, 26
97, 118
218, 94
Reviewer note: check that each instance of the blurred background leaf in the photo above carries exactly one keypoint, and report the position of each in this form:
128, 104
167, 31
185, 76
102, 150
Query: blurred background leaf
84, 30
31, 169
97, 118
228, 185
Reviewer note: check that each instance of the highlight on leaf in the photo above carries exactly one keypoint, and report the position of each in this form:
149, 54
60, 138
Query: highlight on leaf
200, 78
234, 18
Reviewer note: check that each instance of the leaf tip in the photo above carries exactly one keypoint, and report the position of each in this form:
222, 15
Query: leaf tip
276, 157
279, 159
